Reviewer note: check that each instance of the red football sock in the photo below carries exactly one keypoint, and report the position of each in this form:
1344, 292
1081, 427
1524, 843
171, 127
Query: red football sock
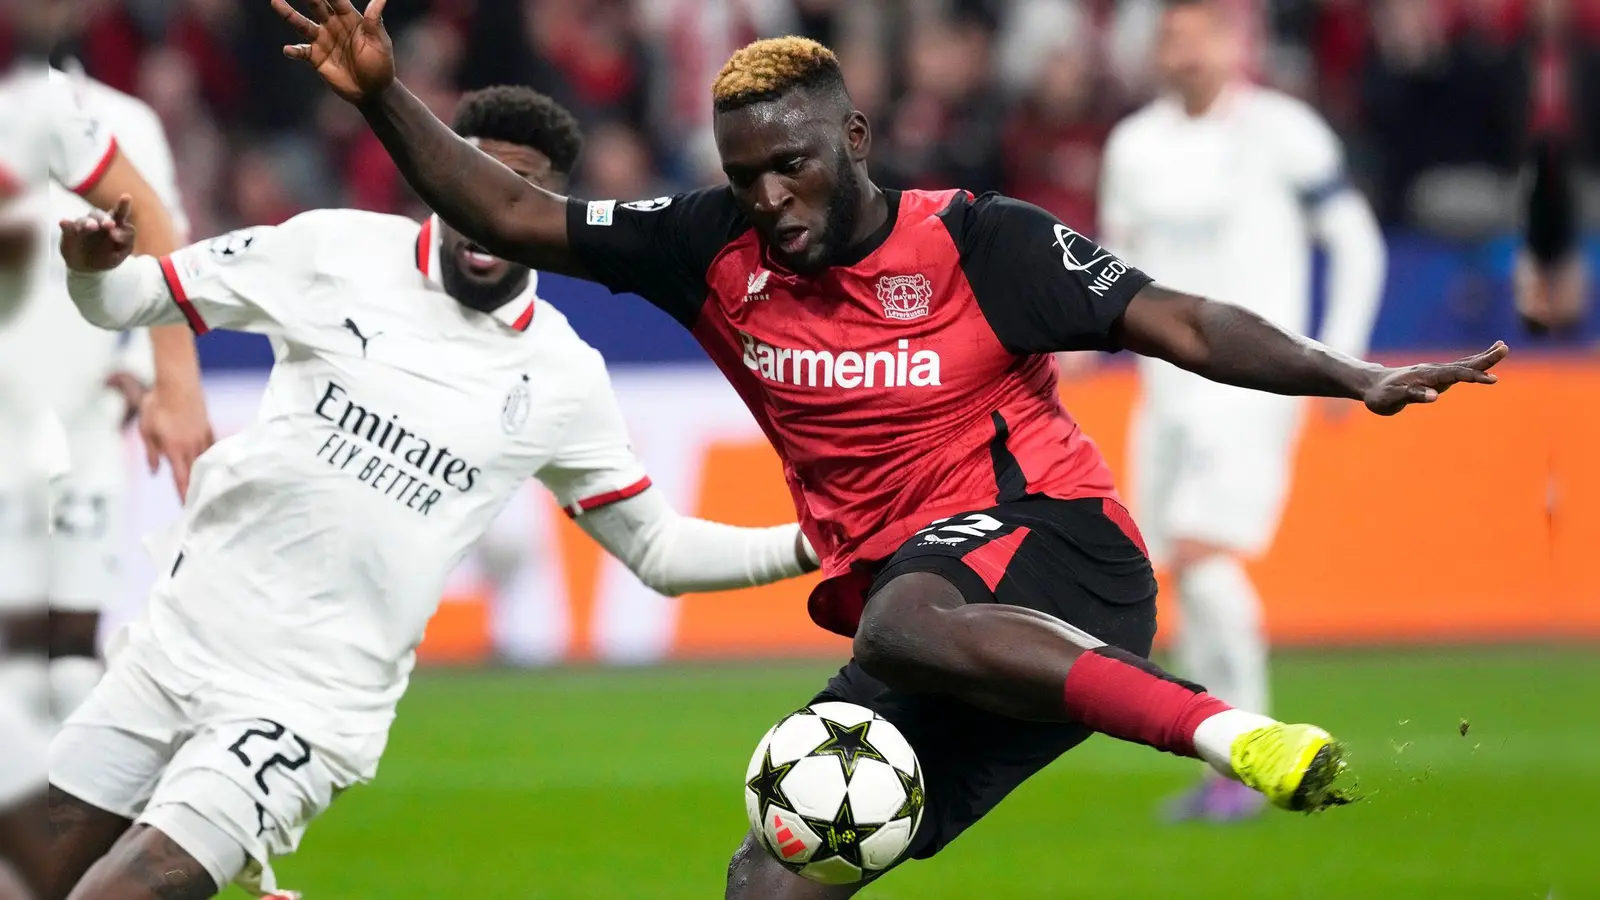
1117, 693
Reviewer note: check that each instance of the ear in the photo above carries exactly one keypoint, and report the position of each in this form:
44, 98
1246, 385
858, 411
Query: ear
858, 136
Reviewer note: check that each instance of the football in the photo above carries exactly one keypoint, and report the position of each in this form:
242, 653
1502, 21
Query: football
835, 793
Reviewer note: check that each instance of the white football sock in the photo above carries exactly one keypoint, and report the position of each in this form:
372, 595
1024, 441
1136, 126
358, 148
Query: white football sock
1214, 737
1221, 644
71, 680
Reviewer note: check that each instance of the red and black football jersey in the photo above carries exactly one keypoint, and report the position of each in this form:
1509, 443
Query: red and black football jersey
911, 382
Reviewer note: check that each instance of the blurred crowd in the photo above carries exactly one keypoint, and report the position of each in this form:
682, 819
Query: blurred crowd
1434, 98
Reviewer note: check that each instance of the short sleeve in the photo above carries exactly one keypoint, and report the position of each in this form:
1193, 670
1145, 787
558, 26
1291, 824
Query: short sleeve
659, 249
81, 147
594, 465
246, 280
1042, 286
1312, 158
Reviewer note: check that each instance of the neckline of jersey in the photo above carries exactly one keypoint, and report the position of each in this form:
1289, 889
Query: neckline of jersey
856, 254
428, 250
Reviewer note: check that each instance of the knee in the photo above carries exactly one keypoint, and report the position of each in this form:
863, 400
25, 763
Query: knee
901, 624
742, 869
74, 634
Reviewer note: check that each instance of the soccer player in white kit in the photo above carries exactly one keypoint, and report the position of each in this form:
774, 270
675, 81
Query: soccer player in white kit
1219, 187
48, 138
93, 380
413, 392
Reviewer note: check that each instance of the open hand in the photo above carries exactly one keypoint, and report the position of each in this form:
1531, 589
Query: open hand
349, 49
99, 241
1398, 388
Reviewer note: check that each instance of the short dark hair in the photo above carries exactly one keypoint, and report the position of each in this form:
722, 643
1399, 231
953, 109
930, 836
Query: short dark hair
769, 69
523, 116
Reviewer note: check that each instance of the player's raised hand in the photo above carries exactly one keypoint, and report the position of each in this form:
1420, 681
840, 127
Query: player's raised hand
100, 240
349, 49
1399, 388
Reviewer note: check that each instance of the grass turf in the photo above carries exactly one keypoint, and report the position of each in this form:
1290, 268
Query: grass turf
602, 784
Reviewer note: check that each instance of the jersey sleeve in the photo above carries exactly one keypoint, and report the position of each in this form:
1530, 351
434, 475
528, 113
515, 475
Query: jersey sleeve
81, 147
1042, 286
1312, 157
659, 249
246, 280
594, 465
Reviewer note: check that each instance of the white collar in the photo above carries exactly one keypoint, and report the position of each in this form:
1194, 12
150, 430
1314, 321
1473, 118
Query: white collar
516, 313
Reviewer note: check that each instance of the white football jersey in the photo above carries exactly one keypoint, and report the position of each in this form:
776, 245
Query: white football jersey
1216, 204
65, 358
396, 423
47, 137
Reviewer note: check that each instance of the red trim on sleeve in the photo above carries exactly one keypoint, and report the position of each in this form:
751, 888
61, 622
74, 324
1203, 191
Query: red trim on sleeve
99, 172
181, 297
424, 245
609, 497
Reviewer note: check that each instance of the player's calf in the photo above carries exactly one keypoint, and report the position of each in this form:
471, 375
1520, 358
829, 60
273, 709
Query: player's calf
919, 634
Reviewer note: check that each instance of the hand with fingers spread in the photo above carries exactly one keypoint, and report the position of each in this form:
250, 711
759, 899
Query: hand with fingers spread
1398, 388
349, 49
99, 241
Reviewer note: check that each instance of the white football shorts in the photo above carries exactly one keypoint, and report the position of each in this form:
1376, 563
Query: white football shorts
1217, 470
24, 739
175, 761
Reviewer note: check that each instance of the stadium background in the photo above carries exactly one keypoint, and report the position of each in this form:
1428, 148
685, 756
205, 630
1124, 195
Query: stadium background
1471, 523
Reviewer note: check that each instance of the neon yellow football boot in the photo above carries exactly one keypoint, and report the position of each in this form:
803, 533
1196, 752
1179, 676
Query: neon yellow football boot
1295, 766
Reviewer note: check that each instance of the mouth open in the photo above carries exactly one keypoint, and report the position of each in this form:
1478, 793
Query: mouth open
478, 260
793, 239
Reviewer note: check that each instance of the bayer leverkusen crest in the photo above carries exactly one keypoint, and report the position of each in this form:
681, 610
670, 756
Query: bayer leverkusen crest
905, 296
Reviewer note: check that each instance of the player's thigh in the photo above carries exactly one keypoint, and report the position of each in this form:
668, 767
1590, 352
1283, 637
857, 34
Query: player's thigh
146, 864
1235, 478
753, 874
80, 834
239, 793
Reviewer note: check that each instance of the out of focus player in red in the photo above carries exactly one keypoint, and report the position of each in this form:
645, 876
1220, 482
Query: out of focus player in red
896, 349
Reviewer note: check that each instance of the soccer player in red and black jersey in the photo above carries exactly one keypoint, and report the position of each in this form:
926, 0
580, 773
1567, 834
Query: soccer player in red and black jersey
896, 349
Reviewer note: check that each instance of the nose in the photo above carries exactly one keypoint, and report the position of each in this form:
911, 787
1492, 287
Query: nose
770, 194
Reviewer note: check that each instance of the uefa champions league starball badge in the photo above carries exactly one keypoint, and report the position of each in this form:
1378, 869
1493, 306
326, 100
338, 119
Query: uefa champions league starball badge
514, 412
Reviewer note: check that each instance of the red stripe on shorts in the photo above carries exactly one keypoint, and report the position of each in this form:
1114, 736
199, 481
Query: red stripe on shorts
990, 560
1124, 521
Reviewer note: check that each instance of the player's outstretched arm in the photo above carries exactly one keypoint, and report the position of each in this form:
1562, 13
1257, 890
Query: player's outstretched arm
676, 554
473, 192
1232, 345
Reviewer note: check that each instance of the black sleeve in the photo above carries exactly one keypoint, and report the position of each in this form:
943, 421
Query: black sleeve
659, 249
1043, 286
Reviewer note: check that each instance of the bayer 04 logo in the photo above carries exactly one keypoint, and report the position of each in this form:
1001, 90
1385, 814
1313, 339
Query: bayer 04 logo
835, 793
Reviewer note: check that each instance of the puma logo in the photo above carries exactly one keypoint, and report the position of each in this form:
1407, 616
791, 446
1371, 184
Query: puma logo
350, 326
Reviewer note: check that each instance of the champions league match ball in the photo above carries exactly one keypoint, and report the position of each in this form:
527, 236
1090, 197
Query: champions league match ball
835, 793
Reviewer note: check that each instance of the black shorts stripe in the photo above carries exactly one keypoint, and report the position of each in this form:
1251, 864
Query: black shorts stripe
1010, 485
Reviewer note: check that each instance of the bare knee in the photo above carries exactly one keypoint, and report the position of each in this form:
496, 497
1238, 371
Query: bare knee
1189, 552
73, 633
901, 628
754, 875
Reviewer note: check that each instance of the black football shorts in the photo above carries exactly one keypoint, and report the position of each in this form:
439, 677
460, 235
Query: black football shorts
1081, 561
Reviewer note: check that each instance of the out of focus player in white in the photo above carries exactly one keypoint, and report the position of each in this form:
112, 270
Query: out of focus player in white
45, 138
1220, 187
418, 383
94, 381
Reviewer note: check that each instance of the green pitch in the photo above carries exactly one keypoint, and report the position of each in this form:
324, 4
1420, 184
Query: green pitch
589, 785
